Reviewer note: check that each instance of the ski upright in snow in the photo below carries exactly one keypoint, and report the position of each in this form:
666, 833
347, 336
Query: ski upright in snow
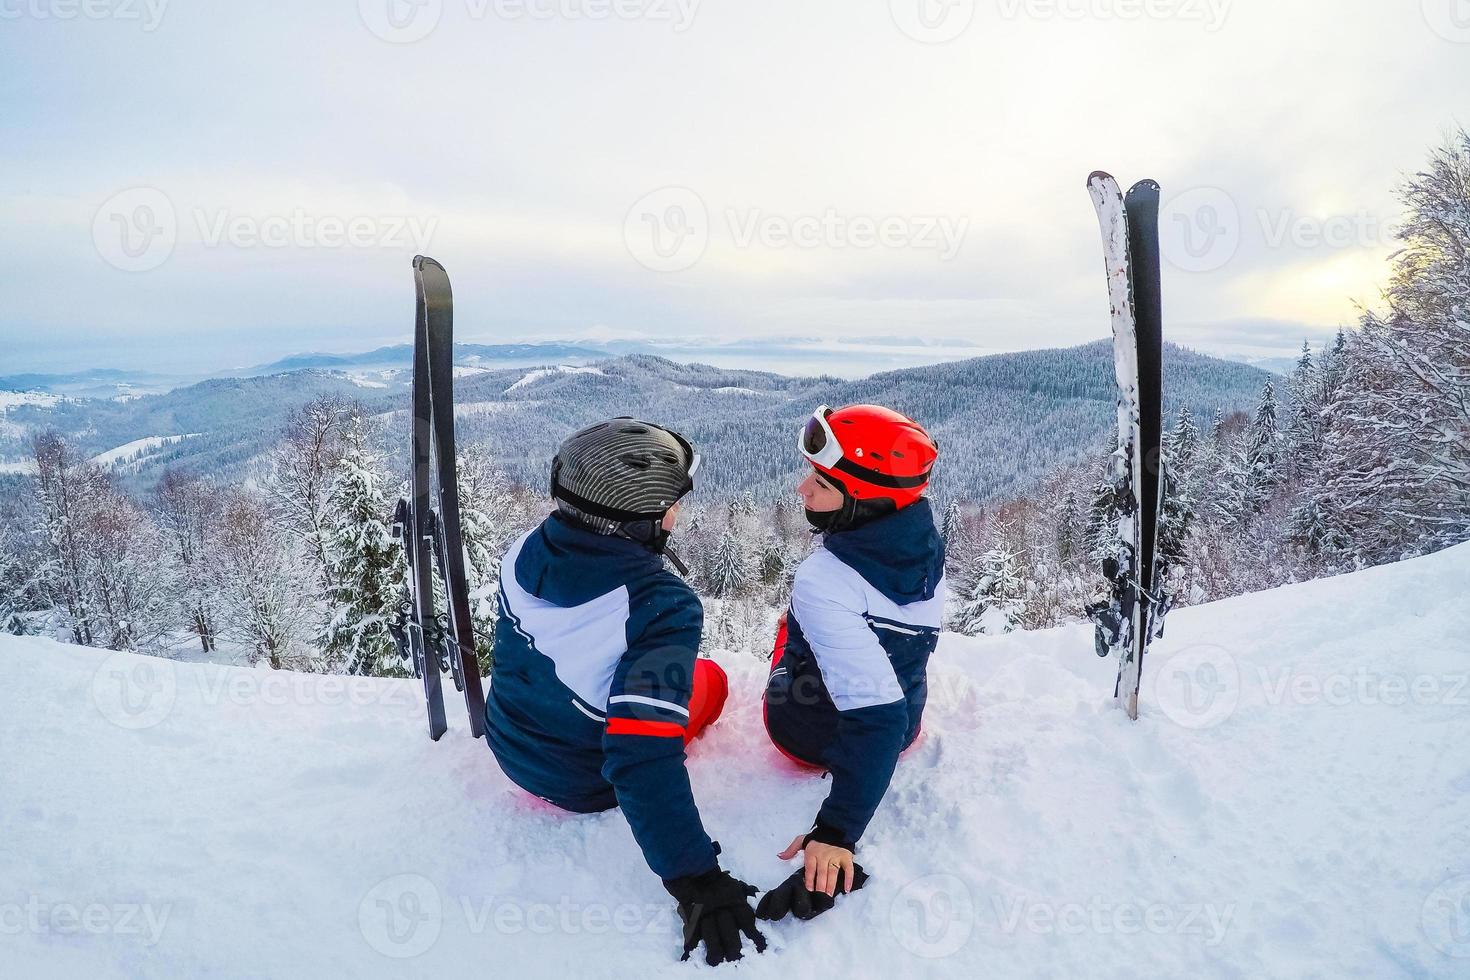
426, 523
1133, 611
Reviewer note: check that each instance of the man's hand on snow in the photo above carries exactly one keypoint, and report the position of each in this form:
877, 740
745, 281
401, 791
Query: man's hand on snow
715, 908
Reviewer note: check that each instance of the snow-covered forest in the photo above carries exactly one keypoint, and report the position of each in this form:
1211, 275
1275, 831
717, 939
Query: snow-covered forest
1361, 456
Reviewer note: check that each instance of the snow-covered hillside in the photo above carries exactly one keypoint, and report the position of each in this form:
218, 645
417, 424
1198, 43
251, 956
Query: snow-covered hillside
133, 454
1294, 801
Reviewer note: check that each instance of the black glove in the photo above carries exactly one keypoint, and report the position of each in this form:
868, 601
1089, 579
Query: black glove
793, 896
715, 908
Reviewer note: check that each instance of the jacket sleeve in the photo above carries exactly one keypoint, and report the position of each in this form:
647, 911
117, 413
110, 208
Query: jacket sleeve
872, 716
643, 744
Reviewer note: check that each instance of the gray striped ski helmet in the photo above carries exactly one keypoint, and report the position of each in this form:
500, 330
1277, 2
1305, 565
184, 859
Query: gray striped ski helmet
622, 471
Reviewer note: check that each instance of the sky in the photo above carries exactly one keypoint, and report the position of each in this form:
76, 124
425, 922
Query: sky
202, 183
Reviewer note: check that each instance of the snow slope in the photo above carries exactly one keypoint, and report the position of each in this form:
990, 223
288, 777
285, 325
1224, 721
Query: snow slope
532, 377
132, 453
1293, 802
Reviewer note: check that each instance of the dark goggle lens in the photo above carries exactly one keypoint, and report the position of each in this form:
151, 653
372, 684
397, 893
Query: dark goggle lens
813, 437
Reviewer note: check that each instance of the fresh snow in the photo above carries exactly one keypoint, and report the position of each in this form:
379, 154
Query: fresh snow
1294, 801
536, 375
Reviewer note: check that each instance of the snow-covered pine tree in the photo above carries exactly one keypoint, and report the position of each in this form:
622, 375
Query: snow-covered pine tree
994, 599
1302, 433
1069, 526
730, 572
366, 570
1263, 472
15, 576
1104, 512
774, 560
1182, 444
951, 525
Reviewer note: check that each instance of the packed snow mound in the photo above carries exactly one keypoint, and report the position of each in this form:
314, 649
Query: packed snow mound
1293, 801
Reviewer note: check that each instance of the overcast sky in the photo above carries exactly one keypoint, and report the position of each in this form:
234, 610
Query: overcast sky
203, 183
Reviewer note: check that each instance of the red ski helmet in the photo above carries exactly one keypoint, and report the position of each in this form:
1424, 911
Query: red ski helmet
871, 452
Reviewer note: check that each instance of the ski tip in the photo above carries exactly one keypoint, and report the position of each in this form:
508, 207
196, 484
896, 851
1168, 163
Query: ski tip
1146, 186
1097, 175
419, 261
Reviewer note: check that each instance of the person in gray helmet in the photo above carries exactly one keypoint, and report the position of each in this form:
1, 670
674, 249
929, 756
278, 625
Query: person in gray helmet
596, 686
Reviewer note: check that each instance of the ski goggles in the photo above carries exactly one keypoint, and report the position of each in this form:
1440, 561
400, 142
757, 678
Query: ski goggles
694, 458
817, 442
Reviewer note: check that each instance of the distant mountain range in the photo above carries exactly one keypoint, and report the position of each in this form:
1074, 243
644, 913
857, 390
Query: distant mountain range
1002, 420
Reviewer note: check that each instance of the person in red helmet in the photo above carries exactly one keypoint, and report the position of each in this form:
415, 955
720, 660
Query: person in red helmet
847, 685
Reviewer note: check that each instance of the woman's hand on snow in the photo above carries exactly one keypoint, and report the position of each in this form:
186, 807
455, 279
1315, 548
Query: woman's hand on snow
827, 865
829, 870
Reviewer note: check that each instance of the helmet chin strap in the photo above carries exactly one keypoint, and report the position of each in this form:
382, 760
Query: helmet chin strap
653, 536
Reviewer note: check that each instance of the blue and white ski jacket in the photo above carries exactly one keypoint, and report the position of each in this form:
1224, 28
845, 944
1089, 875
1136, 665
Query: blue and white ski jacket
589, 694
849, 691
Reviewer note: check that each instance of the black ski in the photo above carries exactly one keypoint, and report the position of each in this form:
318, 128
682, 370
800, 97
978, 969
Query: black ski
427, 523
1142, 207
416, 630
459, 638
1130, 232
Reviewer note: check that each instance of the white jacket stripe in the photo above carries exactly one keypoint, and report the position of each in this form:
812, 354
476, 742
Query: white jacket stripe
654, 702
